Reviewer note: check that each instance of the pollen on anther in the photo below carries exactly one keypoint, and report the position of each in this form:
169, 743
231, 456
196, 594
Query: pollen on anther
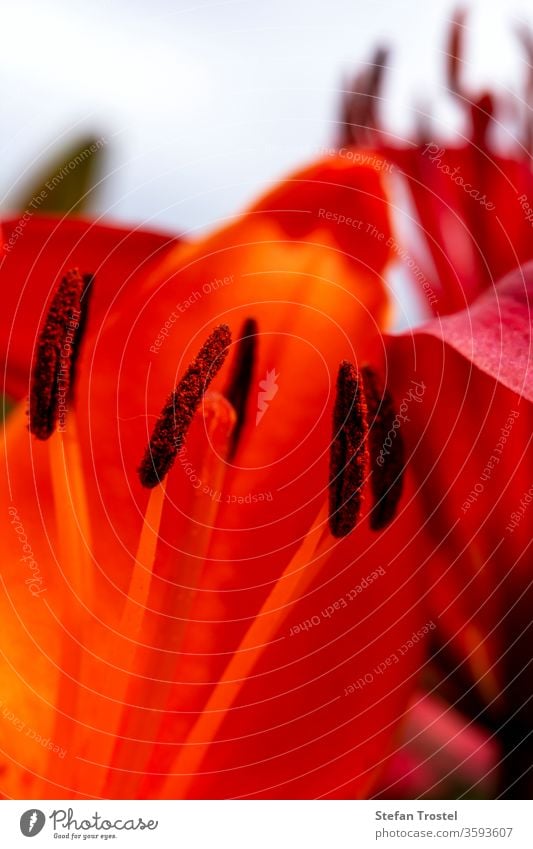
386, 451
55, 351
85, 300
177, 414
348, 453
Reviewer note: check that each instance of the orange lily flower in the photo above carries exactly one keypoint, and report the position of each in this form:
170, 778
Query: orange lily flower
197, 638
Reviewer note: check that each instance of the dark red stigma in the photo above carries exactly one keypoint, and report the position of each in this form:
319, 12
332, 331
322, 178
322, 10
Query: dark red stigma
386, 451
176, 416
349, 453
238, 387
56, 354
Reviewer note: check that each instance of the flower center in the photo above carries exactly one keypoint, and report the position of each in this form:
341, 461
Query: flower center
157, 607
363, 417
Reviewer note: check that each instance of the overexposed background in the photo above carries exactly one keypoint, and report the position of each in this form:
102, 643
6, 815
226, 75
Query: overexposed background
203, 103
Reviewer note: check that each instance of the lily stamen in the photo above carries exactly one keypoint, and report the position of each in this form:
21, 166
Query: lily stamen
177, 414
387, 466
349, 451
299, 574
57, 349
51, 395
158, 608
238, 387
84, 307
75, 563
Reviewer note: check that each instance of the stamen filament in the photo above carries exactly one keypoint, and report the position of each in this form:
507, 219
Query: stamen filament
296, 578
170, 601
134, 608
73, 554
106, 710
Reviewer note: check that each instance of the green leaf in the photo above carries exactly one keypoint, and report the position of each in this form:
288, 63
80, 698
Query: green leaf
67, 183
6, 405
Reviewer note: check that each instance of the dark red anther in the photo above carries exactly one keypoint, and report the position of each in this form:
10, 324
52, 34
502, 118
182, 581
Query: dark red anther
482, 114
177, 414
53, 373
85, 300
455, 53
360, 103
386, 451
349, 453
238, 387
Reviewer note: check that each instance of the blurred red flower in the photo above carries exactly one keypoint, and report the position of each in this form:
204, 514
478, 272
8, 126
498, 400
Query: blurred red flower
237, 629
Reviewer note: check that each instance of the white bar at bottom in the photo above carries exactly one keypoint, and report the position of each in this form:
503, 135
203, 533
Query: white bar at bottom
267, 824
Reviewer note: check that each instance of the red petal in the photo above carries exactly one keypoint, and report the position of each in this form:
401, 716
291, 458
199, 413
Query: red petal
468, 439
495, 333
314, 283
43, 251
473, 208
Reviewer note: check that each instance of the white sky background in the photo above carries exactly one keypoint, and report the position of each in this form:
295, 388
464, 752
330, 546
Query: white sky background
203, 103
